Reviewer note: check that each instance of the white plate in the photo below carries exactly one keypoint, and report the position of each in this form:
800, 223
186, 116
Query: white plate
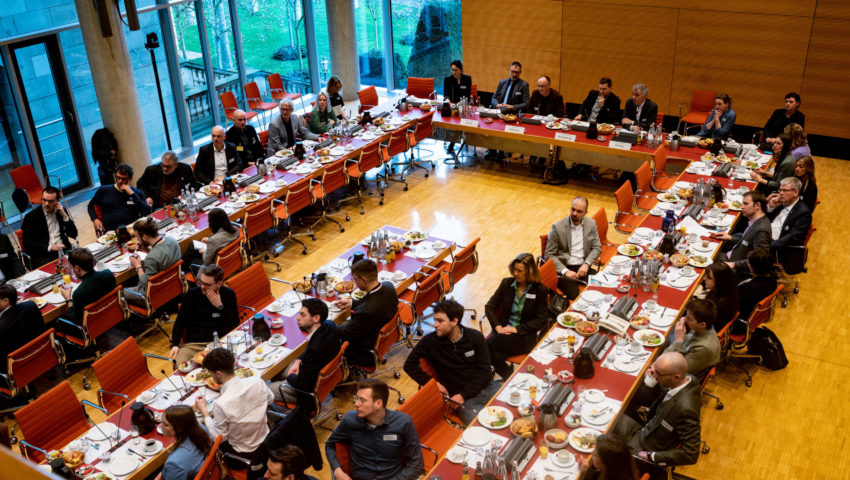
583, 431
698, 247
644, 232
683, 185
268, 187
625, 248
424, 253
594, 396
92, 476
600, 420
580, 306
681, 281
694, 263
624, 365
398, 275
620, 260
123, 465
339, 264
96, 435
191, 380
592, 296
668, 197
147, 397
279, 343
276, 307
662, 321
151, 453
641, 334
174, 385
484, 418
475, 436
556, 460
118, 267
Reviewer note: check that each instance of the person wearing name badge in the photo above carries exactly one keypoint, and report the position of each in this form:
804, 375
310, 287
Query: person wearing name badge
217, 159
456, 86
163, 183
573, 245
118, 204
748, 236
47, 229
287, 128
511, 96
246, 140
640, 112
789, 217
545, 101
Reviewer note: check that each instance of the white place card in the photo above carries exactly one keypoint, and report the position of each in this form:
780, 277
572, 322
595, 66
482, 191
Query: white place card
468, 122
568, 137
620, 145
514, 129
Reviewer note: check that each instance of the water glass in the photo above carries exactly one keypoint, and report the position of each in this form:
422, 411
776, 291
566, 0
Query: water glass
134, 433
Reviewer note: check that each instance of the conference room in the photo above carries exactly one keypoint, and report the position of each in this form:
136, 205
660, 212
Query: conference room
418, 136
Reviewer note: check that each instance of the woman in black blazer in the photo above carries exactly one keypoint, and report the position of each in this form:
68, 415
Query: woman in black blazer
517, 312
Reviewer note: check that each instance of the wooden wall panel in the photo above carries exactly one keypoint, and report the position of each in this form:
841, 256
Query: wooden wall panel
626, 54
498, 32
754, 58
769, 7
826, 92
833, 9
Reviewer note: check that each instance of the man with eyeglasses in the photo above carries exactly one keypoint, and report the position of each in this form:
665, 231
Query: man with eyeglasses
672, 435
640, 112
162, 183
546, 100
511, 96
753, 234
217, 159
383, 443
287, 128
789, 217
461, 359
47, 230
118, 204
246, 140
205, 309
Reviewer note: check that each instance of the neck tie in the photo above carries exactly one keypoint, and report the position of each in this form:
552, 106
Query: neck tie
508, 92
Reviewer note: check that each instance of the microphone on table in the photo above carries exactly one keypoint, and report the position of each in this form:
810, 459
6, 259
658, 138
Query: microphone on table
176, 388
120, 414
83, 403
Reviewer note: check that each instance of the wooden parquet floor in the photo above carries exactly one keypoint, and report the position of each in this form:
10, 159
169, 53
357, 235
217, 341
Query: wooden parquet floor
791, 424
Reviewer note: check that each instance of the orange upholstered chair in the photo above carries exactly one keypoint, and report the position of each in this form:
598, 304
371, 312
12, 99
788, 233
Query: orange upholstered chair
333, 178
421, 130
737, 343
252, 288
51, 421
122, 372
28, 363
161, 288
255, 101
428, 291
626, 220
420, 87
369, 159
398, 144
212, 466
645, 198
609, 249
702, 102
259, 217
389, 337
298, 197
427, 409
661, 180
368, 98
277, 90
25, 178
230, 105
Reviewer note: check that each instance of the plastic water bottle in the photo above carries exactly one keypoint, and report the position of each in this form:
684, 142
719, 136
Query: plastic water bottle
216, 341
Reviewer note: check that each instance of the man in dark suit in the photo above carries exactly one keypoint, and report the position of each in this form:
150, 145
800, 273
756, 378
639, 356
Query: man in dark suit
789, 217
753, 235
640, 112
511, 94
671, 436
287, 128
245, 138
163, 183
19, 322
751, 291
573, 246
600, 106
546, 100
217, 159
322, 345
93, 284
47, 230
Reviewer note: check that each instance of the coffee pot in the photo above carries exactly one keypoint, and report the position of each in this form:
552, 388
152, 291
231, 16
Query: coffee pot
299, 151
356, 258
547, 418
320, 281
592, 131
260, 329
584, 364
142, 417
674, 142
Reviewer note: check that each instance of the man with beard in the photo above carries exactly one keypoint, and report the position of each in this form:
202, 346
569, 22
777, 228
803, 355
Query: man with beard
163, 252
47, 230
322, 345
573, 246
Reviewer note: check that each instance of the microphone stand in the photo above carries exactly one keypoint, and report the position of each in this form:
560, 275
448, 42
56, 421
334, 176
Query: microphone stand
83, 403
176, 388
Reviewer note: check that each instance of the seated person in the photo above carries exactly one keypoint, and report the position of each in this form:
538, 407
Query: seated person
517, 312
719, 287
461, 359
322, 346
47, 230
781, 117
368, 315
10, 263
760, 285
783, 165
755, 233
322, 118
695, 338
573, 246
611, 459
246, 140
640, 112
20, 323
799, 141
205, 310
163, 183
804, 171
287, 463
600, 106
672, 435
93, 284
223, 234
192, 444
120, 204
546, 100
511, 95
287, 128
163, 252
457, 85
383, 443
721, 120
217, 159
333, 87
790, 218
239, 413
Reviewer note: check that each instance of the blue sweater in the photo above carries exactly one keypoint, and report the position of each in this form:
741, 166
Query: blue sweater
184, 462
117, 208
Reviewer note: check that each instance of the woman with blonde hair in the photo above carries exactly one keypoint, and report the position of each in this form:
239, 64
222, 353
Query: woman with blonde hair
322, 118
804, 170
799, 141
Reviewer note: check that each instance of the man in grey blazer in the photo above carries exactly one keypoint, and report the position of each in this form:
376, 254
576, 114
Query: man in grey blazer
695, 338
573, 246
511, 94
756, 234
287, 128
671, 436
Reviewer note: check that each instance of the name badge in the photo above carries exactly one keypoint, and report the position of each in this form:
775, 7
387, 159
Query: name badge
569, 137
468, 122
745, 243
514, 129
239, 148
517, 93
216, 315
390, 437
130, 202
4, 255
531, 296
666, 425
463, 86
469, 353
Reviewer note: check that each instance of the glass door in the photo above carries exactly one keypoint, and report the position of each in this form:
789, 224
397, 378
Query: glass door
50, 108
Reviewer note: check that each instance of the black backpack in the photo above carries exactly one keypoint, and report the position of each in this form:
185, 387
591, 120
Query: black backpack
763, 342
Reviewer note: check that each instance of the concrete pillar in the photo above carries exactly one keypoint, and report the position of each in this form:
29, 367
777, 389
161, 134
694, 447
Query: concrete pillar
112, 75
342, 37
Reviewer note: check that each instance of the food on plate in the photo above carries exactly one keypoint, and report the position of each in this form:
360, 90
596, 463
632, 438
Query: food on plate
640, 321
283, 153
604, 128
211, 190
358, 294
323, 152
679, 259
668, 197
737, 204
73, 458
425, 107
303, 286
510, 117
199, 377
524, 427
556, 436
651, 254
249, 197
700, 260
199, 357
326, 159
378, 122
244, 372
649, 338
706, 142
397, 246
100, 476
212, 385
586, 440
721, 206
629, 249
751, 164
488, 120
107, 237
252, 188
414, 235
498, 416
187, 367
569, 319
685, 193
586, 328
344, 286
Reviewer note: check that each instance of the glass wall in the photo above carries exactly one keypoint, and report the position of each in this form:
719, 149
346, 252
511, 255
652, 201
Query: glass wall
13, 149
323, 48
369, 20
192, 74
426, 38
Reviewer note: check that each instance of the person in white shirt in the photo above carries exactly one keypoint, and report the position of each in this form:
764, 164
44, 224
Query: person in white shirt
573, 246
789, 217
239, 414
217, 159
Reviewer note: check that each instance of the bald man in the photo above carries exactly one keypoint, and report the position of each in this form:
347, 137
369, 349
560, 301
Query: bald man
672, 434
217, 159
246, 140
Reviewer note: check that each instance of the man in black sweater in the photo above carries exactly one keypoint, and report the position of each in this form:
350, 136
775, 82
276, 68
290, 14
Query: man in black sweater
459, 356
20, 323
322, 345
782, 117
246, 140
162, 183
93, 284
368, 314
600, 106
118, 204
46, 230
206, 309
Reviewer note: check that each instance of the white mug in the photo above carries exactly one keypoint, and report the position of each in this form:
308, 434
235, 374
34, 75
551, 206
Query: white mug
688, 270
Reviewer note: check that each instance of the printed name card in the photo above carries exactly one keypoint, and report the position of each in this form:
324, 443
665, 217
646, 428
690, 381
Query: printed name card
620, 145
569, 137
468, 122
514, 129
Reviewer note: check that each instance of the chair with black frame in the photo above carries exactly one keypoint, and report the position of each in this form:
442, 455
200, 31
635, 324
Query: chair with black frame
791, 261
428, 410
98, 318
123, 374
389, 338
736, 344
160, 291
298, 197
369, 159
427, 292
259, 217
333, 178
421, 130
26, 364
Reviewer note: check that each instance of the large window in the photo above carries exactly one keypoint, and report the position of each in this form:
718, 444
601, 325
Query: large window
192, 74
13, 149
323, 48
369, 19
426, 38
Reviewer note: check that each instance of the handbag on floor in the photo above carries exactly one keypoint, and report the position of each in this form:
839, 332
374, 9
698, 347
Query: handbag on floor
765, 344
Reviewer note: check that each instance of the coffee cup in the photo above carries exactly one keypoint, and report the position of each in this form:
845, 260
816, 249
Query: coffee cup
556, 348
277, 337
150, 445
688, 270
616, 269
693, 238
650, 305
458, 454
634, 348
515, 397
